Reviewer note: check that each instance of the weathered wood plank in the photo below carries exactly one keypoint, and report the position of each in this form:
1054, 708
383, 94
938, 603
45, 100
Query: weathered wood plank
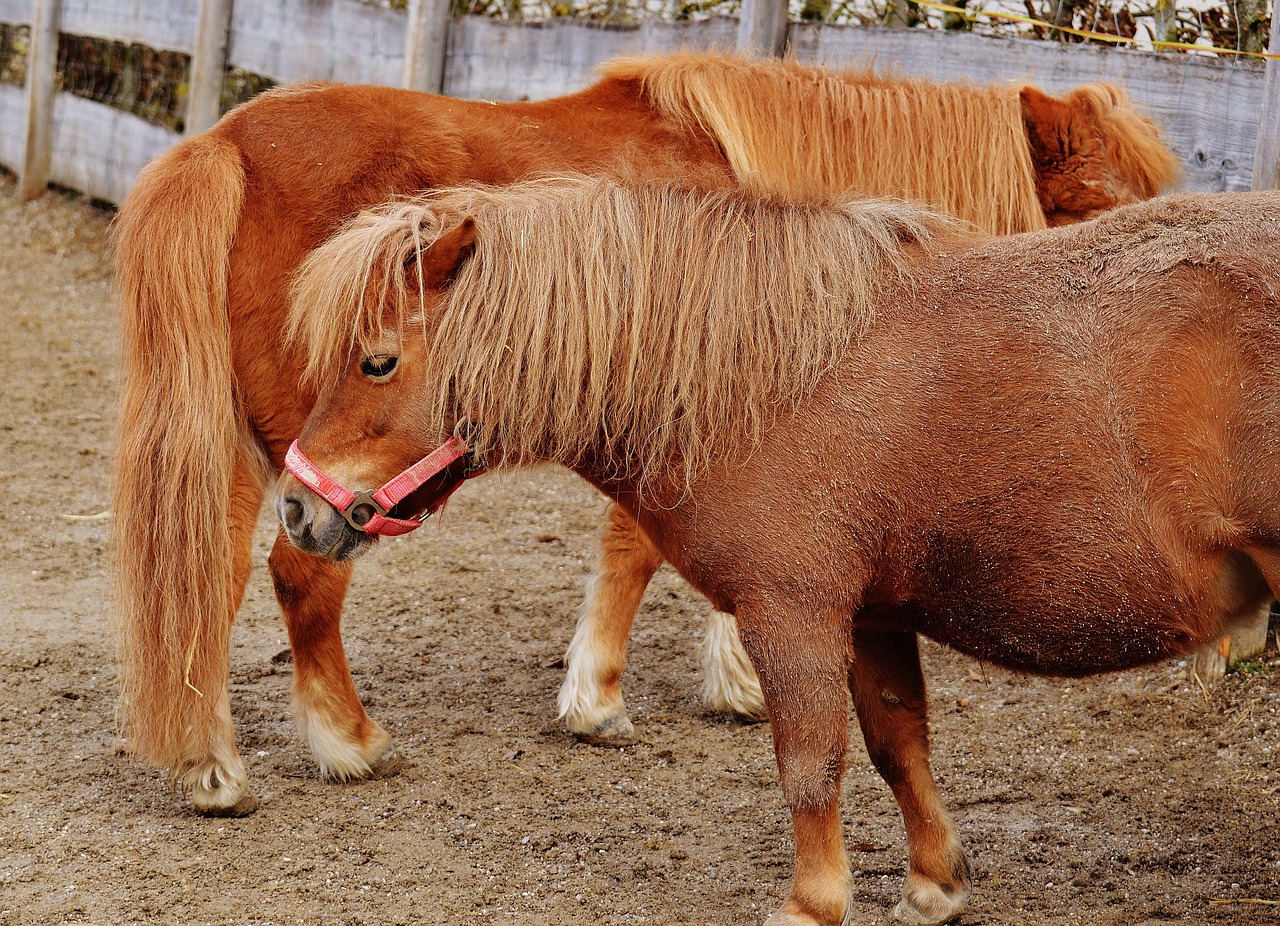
491, 60
208, 64
169, 26
15, 11
1266, 154
42, 64
295, 40
100, 150
426, 42
762, 28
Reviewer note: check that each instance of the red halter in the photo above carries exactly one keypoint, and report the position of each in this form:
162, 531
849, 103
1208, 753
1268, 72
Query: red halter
367, 510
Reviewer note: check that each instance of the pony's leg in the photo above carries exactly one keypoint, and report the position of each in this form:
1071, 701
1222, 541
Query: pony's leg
729, 683
215, 776
889, 696
802, 661
590, 702
345, 741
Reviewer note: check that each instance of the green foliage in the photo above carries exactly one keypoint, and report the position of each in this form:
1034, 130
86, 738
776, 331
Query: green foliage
1252, 668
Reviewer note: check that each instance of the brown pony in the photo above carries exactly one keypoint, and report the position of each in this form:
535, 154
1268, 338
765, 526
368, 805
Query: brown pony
1053, 451
213, 230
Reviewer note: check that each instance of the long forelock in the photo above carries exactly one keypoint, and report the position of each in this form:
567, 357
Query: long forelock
357, 285
1135, 151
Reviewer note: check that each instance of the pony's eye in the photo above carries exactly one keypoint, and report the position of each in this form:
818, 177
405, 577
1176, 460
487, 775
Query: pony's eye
380, 367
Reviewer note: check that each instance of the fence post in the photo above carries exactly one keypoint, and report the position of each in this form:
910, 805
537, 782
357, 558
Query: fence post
426, 41
1266, 156
42, 73
762, 27
208, 65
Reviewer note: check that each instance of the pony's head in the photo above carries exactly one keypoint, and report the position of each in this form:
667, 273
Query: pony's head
1093, 152
364, 426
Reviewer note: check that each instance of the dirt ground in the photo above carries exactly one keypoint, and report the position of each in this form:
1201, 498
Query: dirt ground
1130, 799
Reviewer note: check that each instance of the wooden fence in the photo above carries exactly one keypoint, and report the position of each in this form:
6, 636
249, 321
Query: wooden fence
1221, 115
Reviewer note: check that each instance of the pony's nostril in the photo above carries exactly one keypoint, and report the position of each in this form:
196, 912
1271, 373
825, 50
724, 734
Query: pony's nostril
292, 513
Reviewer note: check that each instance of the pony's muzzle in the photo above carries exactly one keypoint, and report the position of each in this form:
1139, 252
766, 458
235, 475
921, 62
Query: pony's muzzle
316, 527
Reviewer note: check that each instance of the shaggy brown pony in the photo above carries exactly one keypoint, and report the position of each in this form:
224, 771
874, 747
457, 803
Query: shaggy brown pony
1053, 451
209, 237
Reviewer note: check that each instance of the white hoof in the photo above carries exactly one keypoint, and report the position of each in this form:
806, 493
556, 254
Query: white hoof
587, 711
341, 756
218, 786
785, 917
924, 903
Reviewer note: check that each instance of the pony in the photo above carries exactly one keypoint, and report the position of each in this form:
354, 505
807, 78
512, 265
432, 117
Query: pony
841, 423
209, 237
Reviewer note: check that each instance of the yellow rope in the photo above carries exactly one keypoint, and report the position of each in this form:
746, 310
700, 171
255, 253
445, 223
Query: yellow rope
972, 16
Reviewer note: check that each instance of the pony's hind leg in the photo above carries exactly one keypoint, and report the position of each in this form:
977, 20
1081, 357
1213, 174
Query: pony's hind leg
889, 697
345, 741
802, 661
590, 702
213, 773
729, 683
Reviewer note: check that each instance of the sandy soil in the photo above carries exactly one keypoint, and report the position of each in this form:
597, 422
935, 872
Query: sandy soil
1133, 799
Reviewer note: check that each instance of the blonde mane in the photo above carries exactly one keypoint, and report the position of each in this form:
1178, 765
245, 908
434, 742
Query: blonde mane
793, 130
655, 326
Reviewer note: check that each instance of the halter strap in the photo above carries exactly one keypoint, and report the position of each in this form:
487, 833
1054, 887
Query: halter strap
368, 510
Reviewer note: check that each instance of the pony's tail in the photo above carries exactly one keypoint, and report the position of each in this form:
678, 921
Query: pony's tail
176, 448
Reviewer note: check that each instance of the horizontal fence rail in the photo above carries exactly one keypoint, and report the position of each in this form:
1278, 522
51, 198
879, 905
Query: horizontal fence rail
102, 131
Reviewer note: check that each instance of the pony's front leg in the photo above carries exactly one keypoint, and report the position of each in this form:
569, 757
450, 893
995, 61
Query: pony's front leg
889, 697
326, 708
803, 661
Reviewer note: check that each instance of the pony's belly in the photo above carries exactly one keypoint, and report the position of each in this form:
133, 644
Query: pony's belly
1073, 616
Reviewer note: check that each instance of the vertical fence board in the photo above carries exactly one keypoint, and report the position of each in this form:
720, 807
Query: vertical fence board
42, 65
208, 65
1266, 156
762, 27
426, 41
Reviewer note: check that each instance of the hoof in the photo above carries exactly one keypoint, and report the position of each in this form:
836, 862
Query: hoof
929, 904
388, 765
789, 917
241, 808
616, 731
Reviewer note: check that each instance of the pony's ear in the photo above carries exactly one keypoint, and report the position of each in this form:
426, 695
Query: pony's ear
1043, 116
440, 262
